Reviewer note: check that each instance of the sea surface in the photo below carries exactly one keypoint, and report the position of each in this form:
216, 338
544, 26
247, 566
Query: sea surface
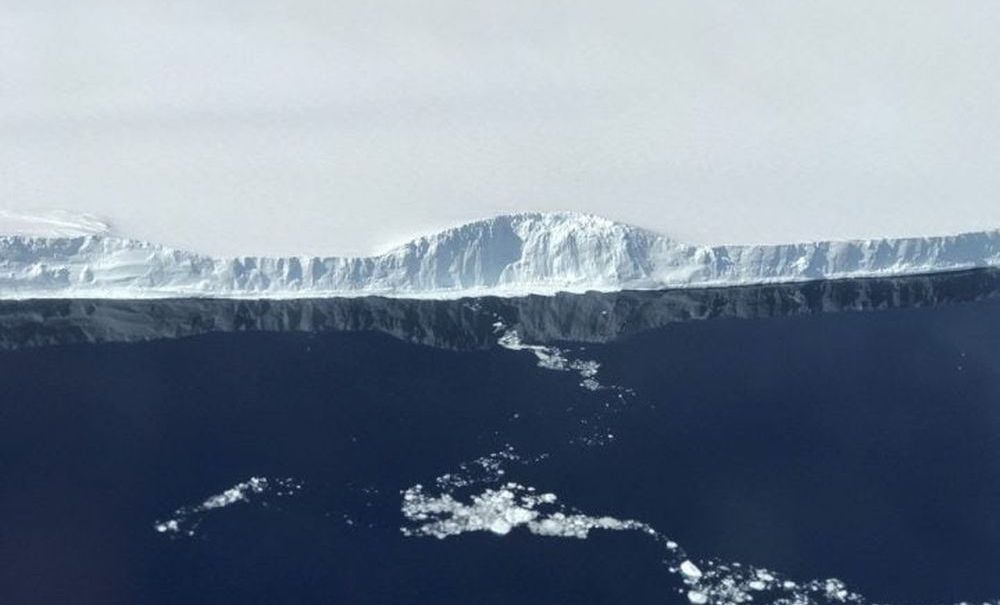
817, 443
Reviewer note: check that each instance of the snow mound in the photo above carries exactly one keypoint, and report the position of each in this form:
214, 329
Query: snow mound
50, 224
61, 255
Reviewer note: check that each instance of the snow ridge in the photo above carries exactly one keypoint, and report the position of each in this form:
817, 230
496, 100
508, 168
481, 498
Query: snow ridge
65, 256
50, 223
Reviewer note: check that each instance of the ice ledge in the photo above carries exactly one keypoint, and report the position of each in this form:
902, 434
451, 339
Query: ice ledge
72, 256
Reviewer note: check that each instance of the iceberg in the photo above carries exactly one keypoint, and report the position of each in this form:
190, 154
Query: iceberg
61, 255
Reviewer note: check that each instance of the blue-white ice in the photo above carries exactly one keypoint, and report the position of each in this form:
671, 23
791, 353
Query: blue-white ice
506, 255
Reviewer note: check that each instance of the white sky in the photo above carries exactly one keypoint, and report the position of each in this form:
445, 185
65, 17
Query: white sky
323, 126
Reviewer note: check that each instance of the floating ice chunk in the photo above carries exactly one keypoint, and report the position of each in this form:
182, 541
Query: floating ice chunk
836, 590
553, 358
505, 507
485, 469
690, 570
500, 527
186, 519
500, 511
237, 493
765, 575
172, 525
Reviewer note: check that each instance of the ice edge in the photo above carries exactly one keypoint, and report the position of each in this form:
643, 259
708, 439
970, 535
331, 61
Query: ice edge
509, 255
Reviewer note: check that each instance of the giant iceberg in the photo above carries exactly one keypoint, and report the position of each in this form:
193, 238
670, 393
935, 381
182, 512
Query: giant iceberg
61, 255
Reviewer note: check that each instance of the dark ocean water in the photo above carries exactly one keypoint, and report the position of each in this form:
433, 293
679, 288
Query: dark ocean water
843, 430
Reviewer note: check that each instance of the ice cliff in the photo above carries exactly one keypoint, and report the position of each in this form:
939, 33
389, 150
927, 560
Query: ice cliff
59, 255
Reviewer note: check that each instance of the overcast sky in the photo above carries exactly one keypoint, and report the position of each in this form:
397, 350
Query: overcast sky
340, 127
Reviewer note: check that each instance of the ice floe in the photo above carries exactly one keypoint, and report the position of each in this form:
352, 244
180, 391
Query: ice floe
451, 509
186, 519
553, 358
500, 510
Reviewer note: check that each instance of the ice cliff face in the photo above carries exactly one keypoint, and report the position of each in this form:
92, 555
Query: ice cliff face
593, 317
63, 256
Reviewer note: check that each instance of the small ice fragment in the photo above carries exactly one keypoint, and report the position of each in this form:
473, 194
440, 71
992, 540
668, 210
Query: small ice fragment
166, 526
690, 570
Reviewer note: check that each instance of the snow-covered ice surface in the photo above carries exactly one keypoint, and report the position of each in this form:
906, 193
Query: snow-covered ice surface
51, 224
60, 255
185, 520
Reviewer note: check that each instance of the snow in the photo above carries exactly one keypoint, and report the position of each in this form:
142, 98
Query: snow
61, 255
226, 124
50, 223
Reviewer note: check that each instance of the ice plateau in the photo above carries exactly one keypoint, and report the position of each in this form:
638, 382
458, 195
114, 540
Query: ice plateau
61, 255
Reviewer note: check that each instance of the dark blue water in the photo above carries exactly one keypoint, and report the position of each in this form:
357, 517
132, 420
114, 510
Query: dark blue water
842, 430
